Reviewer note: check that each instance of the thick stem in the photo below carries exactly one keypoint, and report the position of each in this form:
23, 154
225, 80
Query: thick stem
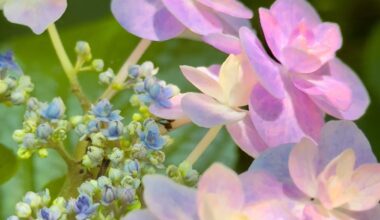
120, 78
60, 148
68, 67
203, 144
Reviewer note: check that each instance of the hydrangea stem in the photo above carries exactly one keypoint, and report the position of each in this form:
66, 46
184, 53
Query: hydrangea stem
134, 58
68, 67
203, 144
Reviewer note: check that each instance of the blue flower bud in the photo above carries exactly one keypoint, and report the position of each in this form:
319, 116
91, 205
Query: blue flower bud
116, 156
106, 77
126, 195
134, 71
44, 131
29, 140
95, 154
98, 64
83, 50
151, 136
92, 126
132, 167
32, 199
104, 181
114, 131
52, 213
88, 187
108, 195
103, 112
53, 110
18, 97
8, 67
147, 68
33, 104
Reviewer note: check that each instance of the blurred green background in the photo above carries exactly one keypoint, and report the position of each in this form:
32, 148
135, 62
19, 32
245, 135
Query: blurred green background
91, 20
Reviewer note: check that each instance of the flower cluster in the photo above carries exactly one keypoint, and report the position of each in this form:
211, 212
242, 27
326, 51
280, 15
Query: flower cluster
15, 87
44, 126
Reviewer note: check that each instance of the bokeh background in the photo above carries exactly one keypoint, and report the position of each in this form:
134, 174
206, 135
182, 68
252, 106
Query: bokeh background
91, 20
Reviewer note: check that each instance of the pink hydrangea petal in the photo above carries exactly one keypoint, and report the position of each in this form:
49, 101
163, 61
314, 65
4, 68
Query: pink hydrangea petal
290, 12
329, 40
232, 25
161, 192
172, 113
316, 212
230, 7
219, 189
274, 36
206, 81
236, 81
267, 71
299, 60
270, 210
337, 193
303, 164
359, 95
366, 179
228, 44
140, 215
367, 215
336, 136
281, 121
194, 16
37, 15
147, 19
246, 137
207, 112
325, 88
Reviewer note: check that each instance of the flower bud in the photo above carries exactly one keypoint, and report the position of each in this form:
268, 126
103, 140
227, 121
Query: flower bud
88, 187
29, 140
104, 181
116, 156
24, 153
33, 199
98, 65
132, 167
33, 104
3, 87
126, 195
18, 135
107, 77
43, 152
134, 71
45, 195
18, 97
157, 157
44, 131
95, 154
108, 195
75, 120
147, 68
83, 50
54, 110
115, 174
23, 210
98, 139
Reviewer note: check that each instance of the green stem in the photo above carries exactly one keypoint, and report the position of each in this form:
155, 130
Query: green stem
203, 144
120, 78
68, 68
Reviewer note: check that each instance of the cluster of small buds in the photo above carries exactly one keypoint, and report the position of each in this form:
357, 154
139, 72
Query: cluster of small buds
43, 125
151, 90
183, 174
15, 87
84, 55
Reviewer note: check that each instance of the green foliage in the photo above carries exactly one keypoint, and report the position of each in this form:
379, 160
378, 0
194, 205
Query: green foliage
8, 164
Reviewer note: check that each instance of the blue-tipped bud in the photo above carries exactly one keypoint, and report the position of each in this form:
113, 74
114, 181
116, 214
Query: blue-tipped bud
54, 110
108, 195
44, 131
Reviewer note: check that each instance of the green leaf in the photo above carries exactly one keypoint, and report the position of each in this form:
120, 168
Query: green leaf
8, 164
55, 186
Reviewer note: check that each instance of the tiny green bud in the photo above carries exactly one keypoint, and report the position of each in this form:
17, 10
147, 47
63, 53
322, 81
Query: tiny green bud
33, 199
83, 50
107, 77
23, 210
104, 181
18, 135
137, 117
115, 174
43, 152
86, 161
98, 139
134, 100
96, 154
116, 156
24, 153
75, 120
98, 65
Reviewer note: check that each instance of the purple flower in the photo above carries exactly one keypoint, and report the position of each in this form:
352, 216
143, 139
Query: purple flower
221, 195
151, 137
160, 20
293, 94
37, 15
84, 207
338, 178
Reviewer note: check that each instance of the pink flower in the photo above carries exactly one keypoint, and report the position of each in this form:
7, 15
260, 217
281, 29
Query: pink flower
160, 20
221, 195
337, 179
37, 15
292, 96
224, 90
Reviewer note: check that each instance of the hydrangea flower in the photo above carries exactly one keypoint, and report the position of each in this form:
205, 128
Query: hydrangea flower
338, 178
54, 110
114, 131
293, 94
225, 90
221, 195
160, 20
37, 15
52, 213
103, 112
151, 137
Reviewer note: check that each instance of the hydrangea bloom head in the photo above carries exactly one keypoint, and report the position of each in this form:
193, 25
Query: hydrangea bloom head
37, 15
221, 195
165, 19
339, 177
